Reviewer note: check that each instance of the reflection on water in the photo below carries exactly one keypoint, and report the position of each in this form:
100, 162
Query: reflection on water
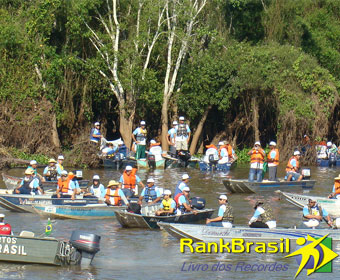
152, 254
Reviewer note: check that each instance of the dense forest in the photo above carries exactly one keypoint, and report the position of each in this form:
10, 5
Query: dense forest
238, 70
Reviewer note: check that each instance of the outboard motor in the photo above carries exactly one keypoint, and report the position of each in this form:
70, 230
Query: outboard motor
78, 174
87, 244
332, 159
306, 173
152, 161
184, 157
213, 160
198, 203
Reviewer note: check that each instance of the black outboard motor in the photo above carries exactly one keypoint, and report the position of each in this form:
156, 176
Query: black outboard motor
198, 202
152, 161
87, 244
184, 157
332, 159
213, 161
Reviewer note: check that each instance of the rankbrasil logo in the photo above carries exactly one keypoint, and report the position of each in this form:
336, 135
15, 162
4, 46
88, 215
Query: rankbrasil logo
314, 255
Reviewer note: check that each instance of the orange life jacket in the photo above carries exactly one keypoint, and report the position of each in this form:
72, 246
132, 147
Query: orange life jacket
228, 148
337, 187
155, 144
257, 157
290, 167
129, 180
64, 185
276, 159
115, 195
211, 146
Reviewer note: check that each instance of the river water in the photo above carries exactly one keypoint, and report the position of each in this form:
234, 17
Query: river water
153, 254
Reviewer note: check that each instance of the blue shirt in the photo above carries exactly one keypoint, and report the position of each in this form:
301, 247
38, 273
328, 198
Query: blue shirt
293, 162
156, 189
306, 212
221, 210
121, 180
179, 188
273, 154
57, 169
95, 132
182, 199
138, 133
172, 132
173, 205
98, 191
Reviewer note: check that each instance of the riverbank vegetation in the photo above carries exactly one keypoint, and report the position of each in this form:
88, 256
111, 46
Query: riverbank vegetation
239, 70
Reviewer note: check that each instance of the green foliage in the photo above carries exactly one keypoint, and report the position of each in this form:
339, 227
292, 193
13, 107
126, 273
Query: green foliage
41, 159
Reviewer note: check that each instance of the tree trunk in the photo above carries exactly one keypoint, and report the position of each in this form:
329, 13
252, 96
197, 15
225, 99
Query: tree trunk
55, 137
125, 125
255, 118
165, 120
198, 131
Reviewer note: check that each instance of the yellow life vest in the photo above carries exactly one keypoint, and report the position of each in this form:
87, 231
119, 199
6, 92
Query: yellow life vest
167, 204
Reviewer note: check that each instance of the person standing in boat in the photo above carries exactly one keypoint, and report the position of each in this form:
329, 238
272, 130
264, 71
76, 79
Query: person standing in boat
114, 195
29, 185
60, 162
182, 135
181, 185
225, 215
257, 157
293, 168
150, 194
95, 134
313, 214
52, 172
168, 205
171, 139
336, 188
96, 189
263, 216
183, 202
139, 137
129, 180
273, 161
66, 186
5, 229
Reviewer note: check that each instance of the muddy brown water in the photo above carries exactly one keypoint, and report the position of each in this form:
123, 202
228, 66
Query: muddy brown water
153, 254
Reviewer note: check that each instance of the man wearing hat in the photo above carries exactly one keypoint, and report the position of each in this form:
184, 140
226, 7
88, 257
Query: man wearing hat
168, 205
60, 162
52, 172
336, 188
293, 167
150, 194
182, 184
171, 139
273, 161
5, 229
183, 202
313, 214
182, 135
263, 216
66, 186
257, 157
29, 185
129, 181
95, 135
139, 137
225, 215
114, 195
96, 189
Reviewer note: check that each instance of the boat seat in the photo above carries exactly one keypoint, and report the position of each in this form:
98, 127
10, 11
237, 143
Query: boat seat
25, 233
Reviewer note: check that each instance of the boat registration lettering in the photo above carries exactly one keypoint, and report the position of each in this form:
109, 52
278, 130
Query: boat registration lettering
8, 245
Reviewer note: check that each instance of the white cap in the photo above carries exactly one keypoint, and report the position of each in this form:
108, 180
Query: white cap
120, 142
272, 143
142, 122
33, 162
305, 135
2, 215
61, 157
175, 123
96, 123
64, 172
128, 168
329, 144
181, 118
297, 153
150, 180
257, 143
223, 196
153, 142
185, 176
96, 177
186, 189
168, 192
221, 143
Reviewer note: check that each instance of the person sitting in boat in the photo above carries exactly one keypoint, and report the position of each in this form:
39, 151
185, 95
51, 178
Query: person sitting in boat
66, 187
211, 154
95, 134
168, 205
273, 161
171, 139
336, 188
263, 216
293, 168
156, 150
114, 195
52, 172
150, 194
109, 150
139, 137
33, 165
313, 214
257, 157
60, 162
29, 185
225, 153
183, 202
225, 215
181, 185
129, 180
96, 189
5, 229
